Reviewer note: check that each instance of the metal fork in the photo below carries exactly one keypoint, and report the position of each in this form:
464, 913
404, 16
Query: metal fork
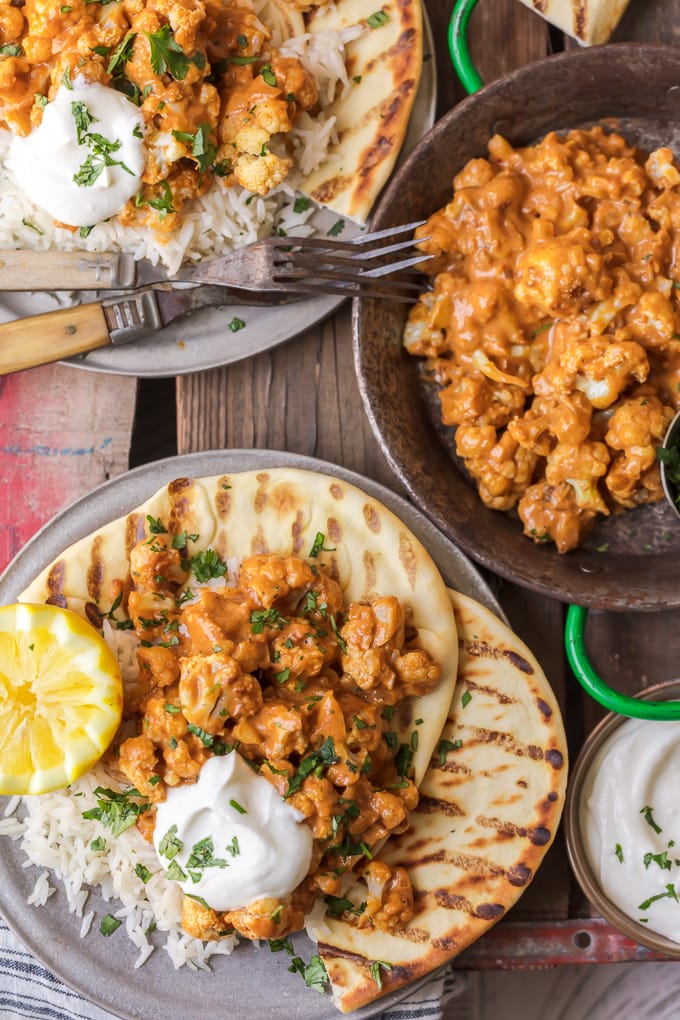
275, 271
270, 271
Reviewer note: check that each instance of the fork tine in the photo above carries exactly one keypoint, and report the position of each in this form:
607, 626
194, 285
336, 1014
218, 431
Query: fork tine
352, 258
353, 278
332, 268
394, 267
319, 287
377, 235
351, 244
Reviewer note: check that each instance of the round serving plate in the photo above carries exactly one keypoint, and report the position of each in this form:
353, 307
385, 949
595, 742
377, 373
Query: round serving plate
202, 340
252, 981
630, 560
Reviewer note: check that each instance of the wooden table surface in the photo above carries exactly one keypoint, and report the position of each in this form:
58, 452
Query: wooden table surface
63, 431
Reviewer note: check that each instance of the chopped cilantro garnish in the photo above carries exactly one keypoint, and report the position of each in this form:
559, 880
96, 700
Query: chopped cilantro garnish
618, 852
203, 149
121, 54
375, 971
108, 924
375, 21
203, 855
337, 905
336, 229
660, 859
319, 759
261, 618
466, 699
206, 565
156, 526
142, 872
175, 873
647, 812
98, 844
268, 75
444, 746
403, 759
116, 810
318, 546
170, 844
236, 324
166, 55
670, 893
206, 738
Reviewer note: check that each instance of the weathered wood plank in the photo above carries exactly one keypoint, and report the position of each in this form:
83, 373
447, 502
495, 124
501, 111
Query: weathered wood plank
62, 432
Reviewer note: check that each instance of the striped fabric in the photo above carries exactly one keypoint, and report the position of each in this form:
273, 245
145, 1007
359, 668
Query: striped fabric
27, 989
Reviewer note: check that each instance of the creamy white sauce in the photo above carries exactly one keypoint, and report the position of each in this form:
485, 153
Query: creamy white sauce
267, 846
44, 163
637, 768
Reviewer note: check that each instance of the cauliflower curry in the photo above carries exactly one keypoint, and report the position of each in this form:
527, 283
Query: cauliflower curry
210, 87
553, 326
274, 665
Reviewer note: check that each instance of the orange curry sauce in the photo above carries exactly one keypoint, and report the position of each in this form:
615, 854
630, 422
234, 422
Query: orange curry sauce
553, 327
273, 664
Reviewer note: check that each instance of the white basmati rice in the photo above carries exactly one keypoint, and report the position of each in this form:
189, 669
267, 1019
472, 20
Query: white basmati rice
221, 220
56, 838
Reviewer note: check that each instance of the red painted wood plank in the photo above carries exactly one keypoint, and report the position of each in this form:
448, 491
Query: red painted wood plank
62, 432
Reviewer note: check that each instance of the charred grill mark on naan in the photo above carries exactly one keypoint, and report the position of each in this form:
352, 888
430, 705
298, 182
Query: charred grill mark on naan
296, 531
333, 530
408, 557
489, 807
505, 740
371, 518
493, 692
96, 571
369, 571
482, 650
55, 584
223, 497
371, 118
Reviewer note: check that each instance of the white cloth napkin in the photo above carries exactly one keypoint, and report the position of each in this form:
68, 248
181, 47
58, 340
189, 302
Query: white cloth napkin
27, 989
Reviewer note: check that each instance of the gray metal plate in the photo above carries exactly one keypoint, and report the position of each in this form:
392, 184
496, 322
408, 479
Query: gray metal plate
251, 982
202, 341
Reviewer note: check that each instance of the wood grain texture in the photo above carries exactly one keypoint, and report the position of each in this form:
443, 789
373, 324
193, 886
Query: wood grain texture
62, 432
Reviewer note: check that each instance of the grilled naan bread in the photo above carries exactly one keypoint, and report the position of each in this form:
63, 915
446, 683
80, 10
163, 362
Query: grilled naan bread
489, 807
384, 66
589, 21
281, 511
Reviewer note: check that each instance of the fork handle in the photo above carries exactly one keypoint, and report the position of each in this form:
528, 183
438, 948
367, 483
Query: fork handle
66, 270
39, 339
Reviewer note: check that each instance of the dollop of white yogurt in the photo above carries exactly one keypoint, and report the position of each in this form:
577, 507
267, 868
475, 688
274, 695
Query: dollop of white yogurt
630, 821
45, 163
233, 816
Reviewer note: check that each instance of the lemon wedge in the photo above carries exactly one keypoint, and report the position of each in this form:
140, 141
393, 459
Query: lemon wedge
61, 698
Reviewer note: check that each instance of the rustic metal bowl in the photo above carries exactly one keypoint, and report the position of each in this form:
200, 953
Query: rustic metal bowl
640, 933
671, 439
630, 560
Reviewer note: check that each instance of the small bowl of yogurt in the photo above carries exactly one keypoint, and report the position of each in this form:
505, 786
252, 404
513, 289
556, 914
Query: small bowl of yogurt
622, 824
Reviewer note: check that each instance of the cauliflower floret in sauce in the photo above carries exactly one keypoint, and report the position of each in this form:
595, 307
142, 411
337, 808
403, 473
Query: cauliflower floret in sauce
273, 664
555, 296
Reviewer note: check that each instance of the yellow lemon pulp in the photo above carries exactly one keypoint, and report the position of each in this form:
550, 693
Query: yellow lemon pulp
61, 698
